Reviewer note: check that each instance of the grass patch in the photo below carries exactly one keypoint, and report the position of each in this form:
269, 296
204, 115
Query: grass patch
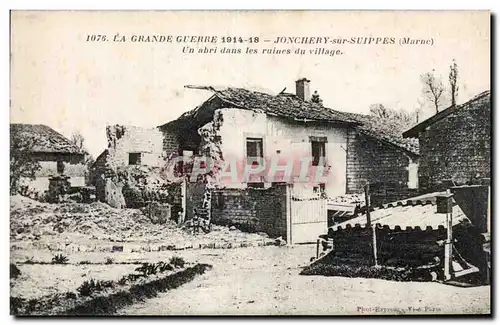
94, 297
363, 271
60, 259
147, 269
87, 288
177, 261
107, 305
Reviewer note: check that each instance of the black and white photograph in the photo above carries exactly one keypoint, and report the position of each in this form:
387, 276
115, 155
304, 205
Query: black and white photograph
250, 163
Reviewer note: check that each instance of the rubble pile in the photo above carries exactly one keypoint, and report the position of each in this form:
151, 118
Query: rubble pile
32, 220
133, 186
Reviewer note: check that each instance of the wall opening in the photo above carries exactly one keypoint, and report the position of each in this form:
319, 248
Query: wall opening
318, 150
255, 150
134, 158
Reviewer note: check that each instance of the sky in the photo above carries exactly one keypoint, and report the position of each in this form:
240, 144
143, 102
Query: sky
61, 80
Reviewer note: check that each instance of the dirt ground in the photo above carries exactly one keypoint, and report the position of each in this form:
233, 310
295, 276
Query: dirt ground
265, 281
243, 281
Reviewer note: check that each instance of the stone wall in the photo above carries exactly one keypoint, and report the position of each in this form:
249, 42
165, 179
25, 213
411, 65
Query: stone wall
254, 210
170, 141
371, 161
457, 147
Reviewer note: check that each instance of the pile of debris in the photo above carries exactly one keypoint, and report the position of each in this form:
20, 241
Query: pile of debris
134, 186
31, 220
76, 222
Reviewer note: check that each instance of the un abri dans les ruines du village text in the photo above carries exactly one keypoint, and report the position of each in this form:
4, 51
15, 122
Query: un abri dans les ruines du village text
258, 45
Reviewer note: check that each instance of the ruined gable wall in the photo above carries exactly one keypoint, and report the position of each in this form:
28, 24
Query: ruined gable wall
123, 140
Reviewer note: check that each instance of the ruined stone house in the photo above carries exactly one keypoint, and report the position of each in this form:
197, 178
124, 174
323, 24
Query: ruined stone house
236, 123
455, 144
242, 123
129, 147
55, 153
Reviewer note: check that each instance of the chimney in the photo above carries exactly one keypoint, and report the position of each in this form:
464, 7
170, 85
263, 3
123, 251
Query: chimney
302, 89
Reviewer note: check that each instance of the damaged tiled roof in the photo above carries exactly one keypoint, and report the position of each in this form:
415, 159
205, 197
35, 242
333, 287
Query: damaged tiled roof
409, 213
383, 129
283, 104
290, 106
42, 138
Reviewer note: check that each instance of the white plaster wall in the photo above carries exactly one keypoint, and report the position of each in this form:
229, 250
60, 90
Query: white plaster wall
77, 181
74, 170
49, 168
39, 184
290, 139
137, 139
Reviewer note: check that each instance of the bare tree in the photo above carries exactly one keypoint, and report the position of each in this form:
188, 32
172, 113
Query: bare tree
380, 110
22, 164
79, 141
453, 78
433, 89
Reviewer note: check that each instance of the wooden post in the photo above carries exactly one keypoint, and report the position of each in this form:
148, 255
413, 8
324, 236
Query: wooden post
182, 216
448, 246
369, 223
367, 201
317, 248
374, 243
288, 201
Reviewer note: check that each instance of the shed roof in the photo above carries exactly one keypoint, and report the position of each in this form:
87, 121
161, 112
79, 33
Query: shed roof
43, 138
476, 100
414, 212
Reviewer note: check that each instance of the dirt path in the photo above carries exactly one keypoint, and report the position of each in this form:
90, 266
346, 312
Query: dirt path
265, 281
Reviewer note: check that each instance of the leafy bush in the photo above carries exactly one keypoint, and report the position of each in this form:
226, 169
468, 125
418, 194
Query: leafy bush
70, 295
89, 287
177, 261
14, 271
162, 267
122, 281
59, 259
147, 269
109, 260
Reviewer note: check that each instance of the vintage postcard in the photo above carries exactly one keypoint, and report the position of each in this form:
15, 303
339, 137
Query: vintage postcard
250, 163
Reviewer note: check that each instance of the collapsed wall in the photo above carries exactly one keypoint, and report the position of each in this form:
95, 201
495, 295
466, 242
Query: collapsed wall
129, 173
